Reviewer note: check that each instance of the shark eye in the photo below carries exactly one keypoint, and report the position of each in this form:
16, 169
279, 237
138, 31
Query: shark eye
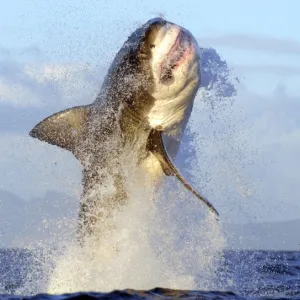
152, 46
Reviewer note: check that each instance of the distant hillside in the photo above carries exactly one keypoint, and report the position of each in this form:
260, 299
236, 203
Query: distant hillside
38, 219
271, 235
55, 216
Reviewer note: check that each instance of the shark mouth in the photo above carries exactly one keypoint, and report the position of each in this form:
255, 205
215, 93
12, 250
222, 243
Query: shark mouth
176, 56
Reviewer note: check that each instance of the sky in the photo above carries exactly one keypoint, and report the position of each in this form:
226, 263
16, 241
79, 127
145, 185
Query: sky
53, 54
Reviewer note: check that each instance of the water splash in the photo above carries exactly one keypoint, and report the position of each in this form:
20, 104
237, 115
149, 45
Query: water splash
157, 239
161, 237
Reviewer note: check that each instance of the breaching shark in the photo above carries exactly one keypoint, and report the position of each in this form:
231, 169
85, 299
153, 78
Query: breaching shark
146, 99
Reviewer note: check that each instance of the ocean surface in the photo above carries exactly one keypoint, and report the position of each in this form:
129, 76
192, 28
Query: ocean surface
242, 275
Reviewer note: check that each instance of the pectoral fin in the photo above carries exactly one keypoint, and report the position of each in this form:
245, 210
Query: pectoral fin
62, 129
156, 146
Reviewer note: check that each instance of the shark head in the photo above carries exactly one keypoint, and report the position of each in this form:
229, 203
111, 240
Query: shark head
159, 68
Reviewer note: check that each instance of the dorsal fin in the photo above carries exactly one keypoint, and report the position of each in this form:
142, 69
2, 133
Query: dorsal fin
156, 146
62, 129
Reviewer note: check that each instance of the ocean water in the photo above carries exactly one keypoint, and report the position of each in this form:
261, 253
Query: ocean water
241, 275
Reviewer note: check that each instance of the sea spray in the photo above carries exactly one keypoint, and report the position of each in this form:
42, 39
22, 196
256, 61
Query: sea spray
152, 241
163, 236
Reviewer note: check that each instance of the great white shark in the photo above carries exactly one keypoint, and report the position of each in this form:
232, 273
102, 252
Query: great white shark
144, 104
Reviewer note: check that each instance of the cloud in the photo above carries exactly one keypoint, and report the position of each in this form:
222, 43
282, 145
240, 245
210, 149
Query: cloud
256, 43
281, 70
32, 88
37, 83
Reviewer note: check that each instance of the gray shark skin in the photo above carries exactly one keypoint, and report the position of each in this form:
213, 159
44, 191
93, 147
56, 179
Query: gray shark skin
143, 106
